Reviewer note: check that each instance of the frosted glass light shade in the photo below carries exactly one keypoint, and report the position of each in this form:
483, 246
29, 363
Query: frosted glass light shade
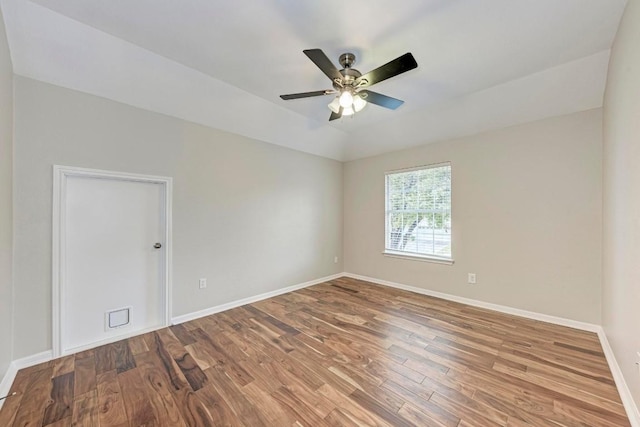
346, 99
357, 105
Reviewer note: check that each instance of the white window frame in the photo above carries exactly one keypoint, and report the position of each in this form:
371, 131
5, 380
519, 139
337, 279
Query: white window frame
406, 254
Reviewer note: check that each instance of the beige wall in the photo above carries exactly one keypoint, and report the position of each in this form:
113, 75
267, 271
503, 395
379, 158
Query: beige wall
251, 217
6, 201
621, 200
526, 217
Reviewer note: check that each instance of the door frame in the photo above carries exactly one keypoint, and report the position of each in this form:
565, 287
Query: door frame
60, 175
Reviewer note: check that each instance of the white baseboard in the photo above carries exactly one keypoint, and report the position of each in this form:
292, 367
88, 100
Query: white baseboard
16, 365
621, 384
45, 356
625, 394
237, 303
482, 304
7, 380
623, 389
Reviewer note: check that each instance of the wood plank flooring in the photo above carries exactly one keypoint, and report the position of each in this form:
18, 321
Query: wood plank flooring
342, 353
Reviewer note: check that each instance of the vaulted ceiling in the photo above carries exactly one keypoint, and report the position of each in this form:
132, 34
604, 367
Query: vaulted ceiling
481, 64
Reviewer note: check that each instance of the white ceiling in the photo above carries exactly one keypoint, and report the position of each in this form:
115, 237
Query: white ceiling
481, 64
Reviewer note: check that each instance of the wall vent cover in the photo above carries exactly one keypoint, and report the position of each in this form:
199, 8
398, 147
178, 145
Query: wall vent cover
118, 318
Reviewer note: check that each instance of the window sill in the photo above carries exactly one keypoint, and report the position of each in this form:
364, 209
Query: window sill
416, 257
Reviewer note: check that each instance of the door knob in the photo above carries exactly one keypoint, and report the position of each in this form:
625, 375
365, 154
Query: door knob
157, 245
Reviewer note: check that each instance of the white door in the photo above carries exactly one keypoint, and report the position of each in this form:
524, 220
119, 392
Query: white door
112, 259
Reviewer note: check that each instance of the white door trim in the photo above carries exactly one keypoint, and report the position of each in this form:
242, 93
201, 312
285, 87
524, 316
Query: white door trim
60, 173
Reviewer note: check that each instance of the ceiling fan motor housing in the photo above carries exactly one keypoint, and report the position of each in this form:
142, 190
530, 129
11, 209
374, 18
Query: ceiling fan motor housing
350, 74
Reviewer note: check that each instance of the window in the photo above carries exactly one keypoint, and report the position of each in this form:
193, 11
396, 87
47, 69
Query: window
418, 212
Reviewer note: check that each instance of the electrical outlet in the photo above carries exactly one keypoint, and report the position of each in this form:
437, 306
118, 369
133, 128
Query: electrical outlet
471, 278
202, 283
335, 259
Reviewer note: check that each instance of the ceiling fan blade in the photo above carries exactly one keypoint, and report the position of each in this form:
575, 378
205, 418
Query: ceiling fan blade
335, 116
307, 94
320, 59
399, 65
380, 99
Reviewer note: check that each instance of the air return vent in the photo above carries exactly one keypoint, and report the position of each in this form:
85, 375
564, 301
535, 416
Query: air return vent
118, 318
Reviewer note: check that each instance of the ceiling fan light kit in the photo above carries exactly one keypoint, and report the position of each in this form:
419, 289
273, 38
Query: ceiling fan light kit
355, 105
349, 84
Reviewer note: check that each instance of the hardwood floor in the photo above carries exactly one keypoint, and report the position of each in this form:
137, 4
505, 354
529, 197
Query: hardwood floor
342, 353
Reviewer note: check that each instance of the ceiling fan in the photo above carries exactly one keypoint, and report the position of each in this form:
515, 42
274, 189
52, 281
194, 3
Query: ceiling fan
350, 85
